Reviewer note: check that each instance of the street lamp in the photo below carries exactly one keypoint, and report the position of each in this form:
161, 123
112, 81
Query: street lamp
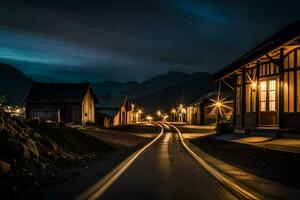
158, 113
149, 118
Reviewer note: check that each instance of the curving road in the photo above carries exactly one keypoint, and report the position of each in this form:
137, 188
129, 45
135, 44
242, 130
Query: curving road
166, 171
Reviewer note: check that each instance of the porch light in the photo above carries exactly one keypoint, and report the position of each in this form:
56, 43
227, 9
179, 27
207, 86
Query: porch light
253, 85
218, 104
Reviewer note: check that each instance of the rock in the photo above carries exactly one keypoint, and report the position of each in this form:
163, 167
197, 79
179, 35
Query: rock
40, 164
26, 153
4, 167
32, 148
51, 144
13, 149
36, 136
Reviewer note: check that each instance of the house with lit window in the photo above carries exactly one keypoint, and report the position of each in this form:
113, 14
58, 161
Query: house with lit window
267, 83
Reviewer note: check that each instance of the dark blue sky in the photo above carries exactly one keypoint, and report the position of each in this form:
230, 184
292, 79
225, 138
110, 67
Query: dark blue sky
134, 40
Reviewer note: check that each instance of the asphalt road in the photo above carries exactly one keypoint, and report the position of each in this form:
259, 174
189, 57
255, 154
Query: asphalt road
166, 171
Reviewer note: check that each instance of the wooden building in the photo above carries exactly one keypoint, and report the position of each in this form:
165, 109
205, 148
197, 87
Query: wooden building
61, 102
112, 111
204, 111
267, 83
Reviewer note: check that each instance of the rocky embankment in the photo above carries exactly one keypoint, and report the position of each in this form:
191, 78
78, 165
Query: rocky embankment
33, 155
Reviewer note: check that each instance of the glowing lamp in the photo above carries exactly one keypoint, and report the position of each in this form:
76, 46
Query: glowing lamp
149, 118
218, 104
158, 113
253, 85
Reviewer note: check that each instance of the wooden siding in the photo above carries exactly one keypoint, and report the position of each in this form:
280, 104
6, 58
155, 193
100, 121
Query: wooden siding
68, 112
88, 108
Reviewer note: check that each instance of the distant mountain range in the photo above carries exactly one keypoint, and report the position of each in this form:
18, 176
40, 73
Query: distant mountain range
113, 87
182, 93
13, 83
160, 92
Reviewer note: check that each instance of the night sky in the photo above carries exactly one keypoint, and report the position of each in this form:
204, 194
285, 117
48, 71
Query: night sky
123, 40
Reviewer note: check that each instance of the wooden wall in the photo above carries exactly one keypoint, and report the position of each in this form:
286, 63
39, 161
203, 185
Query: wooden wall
88, 108
68, 112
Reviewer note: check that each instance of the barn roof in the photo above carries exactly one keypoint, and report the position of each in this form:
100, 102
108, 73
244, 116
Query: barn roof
110, 105
285, 35
58, 93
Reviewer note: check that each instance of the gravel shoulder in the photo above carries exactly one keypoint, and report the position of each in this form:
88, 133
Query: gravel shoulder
68, 159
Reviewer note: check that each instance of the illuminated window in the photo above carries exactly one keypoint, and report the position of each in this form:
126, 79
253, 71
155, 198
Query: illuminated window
272, 95
263, 96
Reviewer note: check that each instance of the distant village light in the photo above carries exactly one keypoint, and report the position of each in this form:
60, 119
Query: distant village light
149, 118
158, 113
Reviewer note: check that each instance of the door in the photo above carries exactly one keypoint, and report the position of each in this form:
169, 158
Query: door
268, 102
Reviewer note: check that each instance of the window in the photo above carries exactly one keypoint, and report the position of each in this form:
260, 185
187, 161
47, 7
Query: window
263, 96
272, 95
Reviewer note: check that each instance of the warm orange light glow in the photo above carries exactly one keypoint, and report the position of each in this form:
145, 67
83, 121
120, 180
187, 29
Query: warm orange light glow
158, 113
253, 85
218, 104
149, 118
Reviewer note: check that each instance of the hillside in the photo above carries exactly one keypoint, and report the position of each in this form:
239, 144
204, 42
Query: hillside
113, 87
44, 78
160, 82
182, 93
13, 83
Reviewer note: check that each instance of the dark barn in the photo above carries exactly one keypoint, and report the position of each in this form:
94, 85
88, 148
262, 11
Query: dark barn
61, 102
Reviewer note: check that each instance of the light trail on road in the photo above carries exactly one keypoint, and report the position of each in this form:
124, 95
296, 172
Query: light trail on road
165, 170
